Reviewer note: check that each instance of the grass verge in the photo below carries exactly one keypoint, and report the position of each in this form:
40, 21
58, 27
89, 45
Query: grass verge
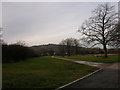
110, 59
42, 72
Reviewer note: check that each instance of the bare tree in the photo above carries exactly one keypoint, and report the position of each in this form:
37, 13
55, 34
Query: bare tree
69, 44
100, 26
62, 48
76, 45
22, 43
116, 37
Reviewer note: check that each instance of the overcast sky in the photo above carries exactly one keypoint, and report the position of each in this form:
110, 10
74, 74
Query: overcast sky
42, 23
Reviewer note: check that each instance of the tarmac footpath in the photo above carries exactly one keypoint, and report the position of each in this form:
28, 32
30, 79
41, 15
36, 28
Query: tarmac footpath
108, 77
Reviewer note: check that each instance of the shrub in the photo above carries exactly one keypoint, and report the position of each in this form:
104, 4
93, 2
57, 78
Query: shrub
15, 53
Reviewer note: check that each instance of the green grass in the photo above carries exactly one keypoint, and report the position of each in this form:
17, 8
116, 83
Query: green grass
110, 59
42, 72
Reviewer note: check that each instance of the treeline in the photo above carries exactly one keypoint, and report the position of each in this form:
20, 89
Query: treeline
70, 46
16, 52
68, 50
59, 50
64, 50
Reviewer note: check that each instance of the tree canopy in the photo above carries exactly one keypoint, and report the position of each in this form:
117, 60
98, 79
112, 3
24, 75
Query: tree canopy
99, 28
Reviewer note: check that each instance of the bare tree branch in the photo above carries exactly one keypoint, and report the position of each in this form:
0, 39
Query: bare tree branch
100, 26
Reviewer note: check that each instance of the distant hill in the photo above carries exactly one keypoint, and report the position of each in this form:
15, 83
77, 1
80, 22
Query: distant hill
48, 47
51, 49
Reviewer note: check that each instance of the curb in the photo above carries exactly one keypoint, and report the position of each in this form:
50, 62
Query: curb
79, 79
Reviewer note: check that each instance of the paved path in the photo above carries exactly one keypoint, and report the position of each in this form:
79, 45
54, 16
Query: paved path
105, 78
108, 77
100, 65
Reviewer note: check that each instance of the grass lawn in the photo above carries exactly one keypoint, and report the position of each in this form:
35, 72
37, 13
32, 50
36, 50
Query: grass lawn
42, 72
110, 59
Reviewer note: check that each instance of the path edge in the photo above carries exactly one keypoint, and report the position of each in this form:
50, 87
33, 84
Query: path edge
79, 79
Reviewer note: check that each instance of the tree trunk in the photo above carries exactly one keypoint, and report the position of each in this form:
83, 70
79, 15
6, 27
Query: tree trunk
69, 51
76, 50
105, 51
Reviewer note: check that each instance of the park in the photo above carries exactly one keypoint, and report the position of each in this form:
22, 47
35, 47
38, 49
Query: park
90, 61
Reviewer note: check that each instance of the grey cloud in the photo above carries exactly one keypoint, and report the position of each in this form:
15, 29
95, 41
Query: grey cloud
35, 22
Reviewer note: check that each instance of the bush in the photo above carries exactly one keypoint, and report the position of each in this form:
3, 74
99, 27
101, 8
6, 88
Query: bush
15, 53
